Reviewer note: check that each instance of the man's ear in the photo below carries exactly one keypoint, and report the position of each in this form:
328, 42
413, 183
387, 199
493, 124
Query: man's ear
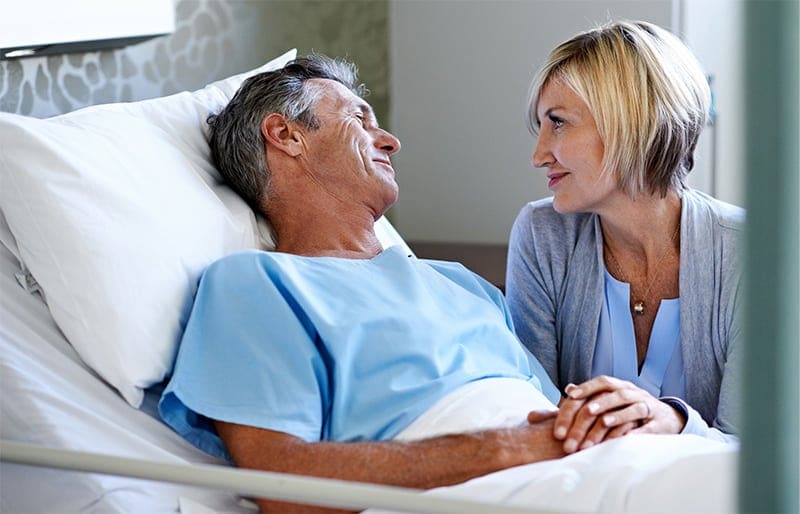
281, 134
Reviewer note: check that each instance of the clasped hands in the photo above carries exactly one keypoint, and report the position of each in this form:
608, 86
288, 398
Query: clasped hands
605, 408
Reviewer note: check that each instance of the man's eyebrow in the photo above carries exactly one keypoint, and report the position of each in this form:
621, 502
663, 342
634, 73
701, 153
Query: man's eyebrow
366, 109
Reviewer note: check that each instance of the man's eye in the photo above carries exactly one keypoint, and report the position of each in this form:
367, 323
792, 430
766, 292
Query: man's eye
360, 119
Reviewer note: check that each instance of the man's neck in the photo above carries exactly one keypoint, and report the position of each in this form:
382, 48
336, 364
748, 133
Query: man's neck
318, 231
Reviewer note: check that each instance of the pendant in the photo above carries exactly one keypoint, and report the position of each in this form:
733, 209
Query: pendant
638, 307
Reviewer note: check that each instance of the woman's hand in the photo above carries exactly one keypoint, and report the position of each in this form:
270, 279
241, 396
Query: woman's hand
606, 407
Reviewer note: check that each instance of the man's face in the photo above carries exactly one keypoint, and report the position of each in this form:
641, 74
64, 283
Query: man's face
349, 155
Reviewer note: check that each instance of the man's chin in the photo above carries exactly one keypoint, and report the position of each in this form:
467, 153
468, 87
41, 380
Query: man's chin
389, 203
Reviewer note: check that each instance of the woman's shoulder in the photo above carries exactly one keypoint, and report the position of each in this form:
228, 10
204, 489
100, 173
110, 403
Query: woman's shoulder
716, 228
550, 236
543, 214
726, 215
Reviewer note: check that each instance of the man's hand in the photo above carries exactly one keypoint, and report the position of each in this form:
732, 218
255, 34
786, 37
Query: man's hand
606, 407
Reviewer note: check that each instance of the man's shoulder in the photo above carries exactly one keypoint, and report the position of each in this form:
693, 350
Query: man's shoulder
464, 277
244, 268
448, 267
240, 259
454, 271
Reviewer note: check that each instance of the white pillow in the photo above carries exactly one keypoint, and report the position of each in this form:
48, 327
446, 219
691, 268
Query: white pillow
116, 209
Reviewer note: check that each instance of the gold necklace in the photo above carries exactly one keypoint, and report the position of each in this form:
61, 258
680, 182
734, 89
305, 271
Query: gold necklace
638, 305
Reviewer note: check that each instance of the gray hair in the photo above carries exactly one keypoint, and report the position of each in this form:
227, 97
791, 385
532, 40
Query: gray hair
237, 145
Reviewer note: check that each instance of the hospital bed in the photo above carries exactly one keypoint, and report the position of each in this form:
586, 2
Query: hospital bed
109, 215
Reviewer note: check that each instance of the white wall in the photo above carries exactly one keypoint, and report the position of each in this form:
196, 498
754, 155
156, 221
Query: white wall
714, 30
460, 72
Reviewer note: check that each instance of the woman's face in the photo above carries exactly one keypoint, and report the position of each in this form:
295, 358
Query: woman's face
570, 149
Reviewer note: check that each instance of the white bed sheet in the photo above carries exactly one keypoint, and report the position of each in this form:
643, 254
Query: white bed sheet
638, 474
49, 397
634, 474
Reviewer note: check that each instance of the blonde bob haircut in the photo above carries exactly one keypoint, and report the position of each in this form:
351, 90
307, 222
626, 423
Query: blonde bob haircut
647, 93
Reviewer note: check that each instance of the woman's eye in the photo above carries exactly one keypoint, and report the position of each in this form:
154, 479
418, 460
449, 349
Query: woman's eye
360, 118
556, 121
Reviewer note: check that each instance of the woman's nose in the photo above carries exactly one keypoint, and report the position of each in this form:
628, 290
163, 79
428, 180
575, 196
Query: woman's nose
542, 156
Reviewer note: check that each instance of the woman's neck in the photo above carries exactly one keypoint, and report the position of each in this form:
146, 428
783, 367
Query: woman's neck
640, 227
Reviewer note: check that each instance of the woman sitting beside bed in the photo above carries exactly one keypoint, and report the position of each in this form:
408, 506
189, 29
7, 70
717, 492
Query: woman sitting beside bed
626, 281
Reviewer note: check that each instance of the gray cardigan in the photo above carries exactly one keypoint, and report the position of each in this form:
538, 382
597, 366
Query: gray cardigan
554, 287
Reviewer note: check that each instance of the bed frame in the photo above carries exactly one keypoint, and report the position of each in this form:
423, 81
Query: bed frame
278, 486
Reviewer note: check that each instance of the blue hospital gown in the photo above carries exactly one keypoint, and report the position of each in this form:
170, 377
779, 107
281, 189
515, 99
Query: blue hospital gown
326, 348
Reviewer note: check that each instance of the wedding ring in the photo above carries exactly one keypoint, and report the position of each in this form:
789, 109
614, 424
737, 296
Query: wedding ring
647, 416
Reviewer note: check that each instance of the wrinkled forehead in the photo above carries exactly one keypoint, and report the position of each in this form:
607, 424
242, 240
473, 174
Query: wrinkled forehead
333, 96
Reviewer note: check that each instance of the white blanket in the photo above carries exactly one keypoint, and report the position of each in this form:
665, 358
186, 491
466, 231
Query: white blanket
636, 474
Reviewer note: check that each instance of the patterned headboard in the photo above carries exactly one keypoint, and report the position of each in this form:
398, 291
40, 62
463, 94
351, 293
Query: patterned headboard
212, 39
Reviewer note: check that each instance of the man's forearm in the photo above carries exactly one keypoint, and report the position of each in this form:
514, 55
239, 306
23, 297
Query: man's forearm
423, 464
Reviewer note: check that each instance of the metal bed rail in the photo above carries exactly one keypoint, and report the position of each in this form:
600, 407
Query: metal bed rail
263, 484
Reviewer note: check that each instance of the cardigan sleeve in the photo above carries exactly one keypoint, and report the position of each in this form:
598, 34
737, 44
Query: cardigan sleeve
694, 422
711, 293
728, 414
530, 295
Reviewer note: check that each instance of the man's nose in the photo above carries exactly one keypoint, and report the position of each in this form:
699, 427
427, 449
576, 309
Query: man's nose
387, 142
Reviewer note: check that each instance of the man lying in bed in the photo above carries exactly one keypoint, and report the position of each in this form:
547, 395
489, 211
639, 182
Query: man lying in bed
316, 358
